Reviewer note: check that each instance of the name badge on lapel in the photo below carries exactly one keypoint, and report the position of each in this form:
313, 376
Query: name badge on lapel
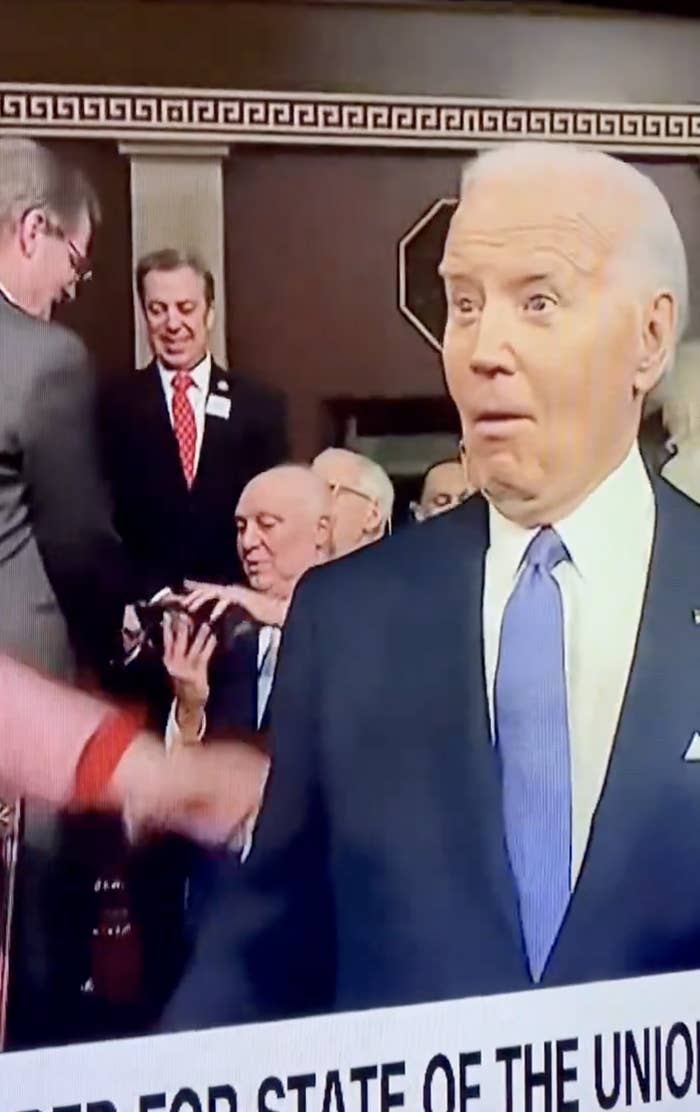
218, 406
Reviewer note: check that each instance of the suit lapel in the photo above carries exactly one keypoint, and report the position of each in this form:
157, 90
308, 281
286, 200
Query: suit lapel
467, 768
234, 685
660, 713
218, 431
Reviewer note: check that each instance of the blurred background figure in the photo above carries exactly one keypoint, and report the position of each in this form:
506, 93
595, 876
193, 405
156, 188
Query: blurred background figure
681, 418
444, 487
362, 498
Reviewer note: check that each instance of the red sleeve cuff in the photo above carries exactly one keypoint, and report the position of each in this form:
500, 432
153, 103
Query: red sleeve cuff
102, 754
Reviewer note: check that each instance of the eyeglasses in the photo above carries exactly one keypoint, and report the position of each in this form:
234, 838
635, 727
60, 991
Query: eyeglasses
79, 262
345, 488
340, 488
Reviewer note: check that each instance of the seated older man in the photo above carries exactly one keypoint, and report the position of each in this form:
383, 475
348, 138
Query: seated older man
363, 498
282, 523
445, 485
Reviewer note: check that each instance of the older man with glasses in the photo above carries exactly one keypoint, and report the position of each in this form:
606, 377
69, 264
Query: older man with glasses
63, 578
362, 498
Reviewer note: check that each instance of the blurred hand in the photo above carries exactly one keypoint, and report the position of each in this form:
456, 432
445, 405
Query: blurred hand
202, 792
262, 608
187, 664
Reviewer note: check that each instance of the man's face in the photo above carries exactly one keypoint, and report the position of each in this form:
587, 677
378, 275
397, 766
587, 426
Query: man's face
278, 536
353, 513
177, 317
543, 341
56, 254
445, 487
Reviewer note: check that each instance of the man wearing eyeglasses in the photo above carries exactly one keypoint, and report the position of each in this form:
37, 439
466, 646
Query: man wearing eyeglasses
63, 579
57, 545
362, 498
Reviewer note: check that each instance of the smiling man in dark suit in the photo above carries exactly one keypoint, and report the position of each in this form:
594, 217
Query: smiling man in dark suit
484, 733
183, 436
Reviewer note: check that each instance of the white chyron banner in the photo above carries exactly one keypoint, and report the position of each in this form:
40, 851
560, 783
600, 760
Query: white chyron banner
623, 1044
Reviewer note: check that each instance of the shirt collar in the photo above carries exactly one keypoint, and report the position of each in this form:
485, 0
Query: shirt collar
200, 374
8, 296
608, 519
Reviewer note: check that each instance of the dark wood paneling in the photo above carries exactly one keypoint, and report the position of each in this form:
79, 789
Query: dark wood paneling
445, 49
311, 265
103, 311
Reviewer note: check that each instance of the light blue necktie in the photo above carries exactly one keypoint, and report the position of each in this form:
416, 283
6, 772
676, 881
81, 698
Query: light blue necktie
532, 736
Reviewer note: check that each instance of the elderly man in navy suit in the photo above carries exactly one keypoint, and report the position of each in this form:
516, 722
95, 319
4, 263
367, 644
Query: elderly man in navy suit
485, 767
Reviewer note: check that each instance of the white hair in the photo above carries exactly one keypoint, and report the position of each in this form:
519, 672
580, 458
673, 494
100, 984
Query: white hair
371, 479
681, 399
316, 494
655, 249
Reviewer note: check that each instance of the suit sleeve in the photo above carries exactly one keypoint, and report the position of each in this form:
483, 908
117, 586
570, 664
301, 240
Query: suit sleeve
266, 949
69, 505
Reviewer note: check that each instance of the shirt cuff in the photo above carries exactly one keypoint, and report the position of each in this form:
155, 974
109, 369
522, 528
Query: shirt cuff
173, 733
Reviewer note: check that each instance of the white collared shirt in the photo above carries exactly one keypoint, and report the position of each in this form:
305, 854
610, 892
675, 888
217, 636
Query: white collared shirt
8, 296
197, 396
609, 538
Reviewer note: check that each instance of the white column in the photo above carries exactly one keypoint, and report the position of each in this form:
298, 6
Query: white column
177, 200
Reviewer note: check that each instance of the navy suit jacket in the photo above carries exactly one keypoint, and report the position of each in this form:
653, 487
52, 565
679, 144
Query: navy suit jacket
379, 874
171, 532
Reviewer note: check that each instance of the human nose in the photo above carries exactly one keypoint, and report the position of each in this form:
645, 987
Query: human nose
172, 319
493, 350
248, 537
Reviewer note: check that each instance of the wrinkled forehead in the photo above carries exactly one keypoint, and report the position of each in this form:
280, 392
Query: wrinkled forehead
180, 284
282, 496
578, 220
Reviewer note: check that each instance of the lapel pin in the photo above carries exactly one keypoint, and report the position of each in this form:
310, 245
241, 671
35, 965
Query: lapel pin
223, 385
696, 617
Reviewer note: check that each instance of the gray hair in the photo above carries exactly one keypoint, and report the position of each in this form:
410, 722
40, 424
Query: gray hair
655, 247
372, 479
33, 177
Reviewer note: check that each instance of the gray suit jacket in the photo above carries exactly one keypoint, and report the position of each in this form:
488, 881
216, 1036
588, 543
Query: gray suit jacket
63, 581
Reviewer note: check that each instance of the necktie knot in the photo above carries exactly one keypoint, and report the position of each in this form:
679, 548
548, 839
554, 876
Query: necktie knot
546, 550
182, 382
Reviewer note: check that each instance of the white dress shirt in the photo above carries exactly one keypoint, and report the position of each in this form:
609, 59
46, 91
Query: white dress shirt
609, 538
196, 394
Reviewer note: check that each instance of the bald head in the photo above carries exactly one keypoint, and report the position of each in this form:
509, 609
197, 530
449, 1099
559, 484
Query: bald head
282, 523
566, 286
362, 498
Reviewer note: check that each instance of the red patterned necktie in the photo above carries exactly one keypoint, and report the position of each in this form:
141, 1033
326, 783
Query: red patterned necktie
184, 423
